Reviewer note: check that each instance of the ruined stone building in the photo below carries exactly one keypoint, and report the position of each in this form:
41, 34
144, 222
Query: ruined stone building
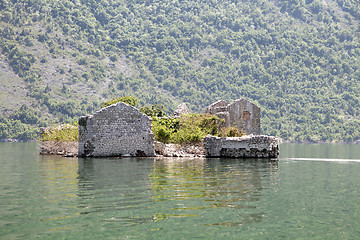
241, 113
117, 130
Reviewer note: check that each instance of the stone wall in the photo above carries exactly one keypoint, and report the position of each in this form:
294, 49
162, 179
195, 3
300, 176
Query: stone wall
220, 109
117, 130
241, 114
245, 115
216, 107
250, 146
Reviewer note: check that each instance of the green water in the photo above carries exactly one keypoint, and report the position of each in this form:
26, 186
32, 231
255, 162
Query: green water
312, 192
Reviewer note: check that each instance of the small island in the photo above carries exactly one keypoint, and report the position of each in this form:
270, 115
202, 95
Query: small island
224, 130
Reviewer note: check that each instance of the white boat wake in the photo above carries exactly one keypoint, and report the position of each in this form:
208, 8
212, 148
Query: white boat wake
325, 159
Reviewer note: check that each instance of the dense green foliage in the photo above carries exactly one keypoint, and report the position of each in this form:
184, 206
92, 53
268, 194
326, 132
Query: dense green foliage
61, 133
190, 128
155, 110
132, 101
19, 125
297, 59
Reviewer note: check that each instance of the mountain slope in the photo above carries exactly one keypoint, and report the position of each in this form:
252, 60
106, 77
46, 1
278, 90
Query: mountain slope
297, 59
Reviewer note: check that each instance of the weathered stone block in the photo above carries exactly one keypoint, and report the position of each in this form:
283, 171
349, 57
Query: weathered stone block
250, 146
226, 117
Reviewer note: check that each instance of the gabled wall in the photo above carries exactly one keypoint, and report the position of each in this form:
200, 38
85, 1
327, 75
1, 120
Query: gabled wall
117, 130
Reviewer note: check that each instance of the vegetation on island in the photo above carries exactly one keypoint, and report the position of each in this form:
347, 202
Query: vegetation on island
61, 133
132, 101
191, 128
188, 128
299, 60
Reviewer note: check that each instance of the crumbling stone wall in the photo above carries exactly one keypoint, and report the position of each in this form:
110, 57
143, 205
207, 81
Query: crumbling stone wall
117, 130
216, 107
220, 109
250, 146
245, 115
241, 113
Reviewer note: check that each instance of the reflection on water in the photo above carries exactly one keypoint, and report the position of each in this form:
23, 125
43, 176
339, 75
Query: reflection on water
45, 197
59, 189
138, 191
59, 177
111, 185
201, 184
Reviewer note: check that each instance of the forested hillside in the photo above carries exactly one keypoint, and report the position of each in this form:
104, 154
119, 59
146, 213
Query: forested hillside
297, 59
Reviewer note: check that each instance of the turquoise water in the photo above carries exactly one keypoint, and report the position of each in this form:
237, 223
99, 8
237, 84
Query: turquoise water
312, 192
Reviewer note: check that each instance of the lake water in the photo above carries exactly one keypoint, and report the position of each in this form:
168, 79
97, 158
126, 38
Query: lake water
312, 192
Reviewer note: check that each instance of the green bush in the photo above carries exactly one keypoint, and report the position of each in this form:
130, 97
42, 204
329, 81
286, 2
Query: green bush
188, 135
164, 128
153, 111
189, 128
62, 133
132, 101
162, 133
231, 132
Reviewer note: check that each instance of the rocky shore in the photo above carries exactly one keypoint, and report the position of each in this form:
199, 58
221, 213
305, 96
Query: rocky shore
250, 146
66, 149
178, 150
70, 149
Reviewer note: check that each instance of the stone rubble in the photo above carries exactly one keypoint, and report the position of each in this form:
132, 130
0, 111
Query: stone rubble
177, 150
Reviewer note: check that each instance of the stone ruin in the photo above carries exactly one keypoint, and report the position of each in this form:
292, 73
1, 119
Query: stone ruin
249, 146
245, 116
117, 130
180, 110
241, 114
122, 130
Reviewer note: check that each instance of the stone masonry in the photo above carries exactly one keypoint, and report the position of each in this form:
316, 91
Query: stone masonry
117, 130
249, 146
241, 113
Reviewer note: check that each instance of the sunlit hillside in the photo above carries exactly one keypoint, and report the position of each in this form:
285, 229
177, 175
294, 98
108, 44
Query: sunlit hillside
297, 59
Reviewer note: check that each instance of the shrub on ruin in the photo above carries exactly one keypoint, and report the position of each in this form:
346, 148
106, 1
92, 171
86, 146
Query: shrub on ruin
231, 132
61, 133
132, 101
189, 128
188, 135
156, 110
161, 133
164, 128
